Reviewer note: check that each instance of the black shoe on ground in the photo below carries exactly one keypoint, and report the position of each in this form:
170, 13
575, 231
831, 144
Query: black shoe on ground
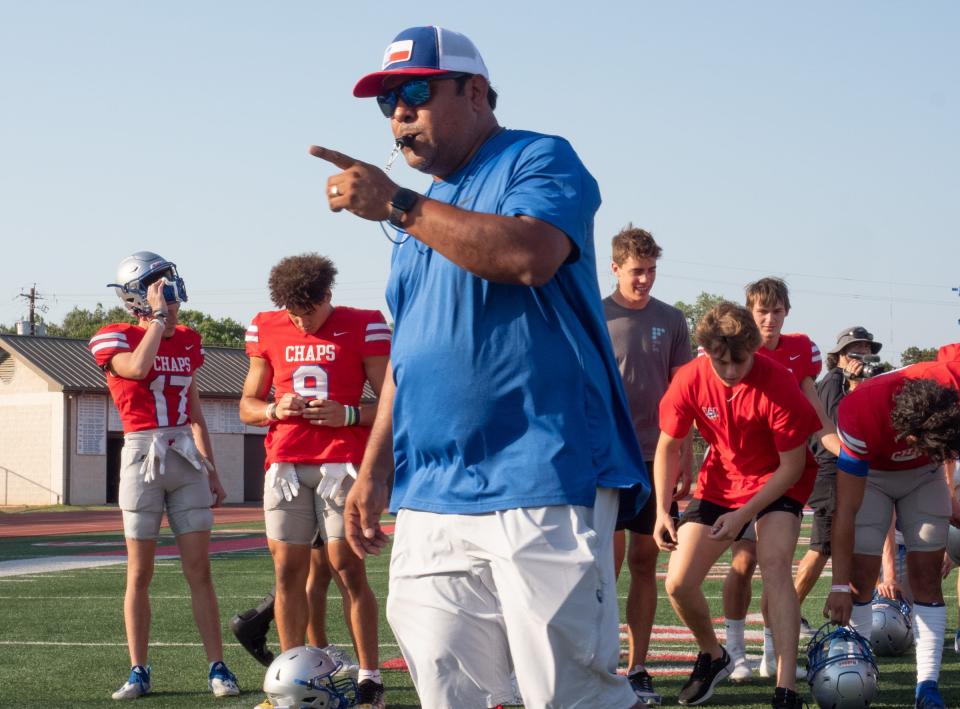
706, 675
786, 699
370, 695
642, 685
251, 628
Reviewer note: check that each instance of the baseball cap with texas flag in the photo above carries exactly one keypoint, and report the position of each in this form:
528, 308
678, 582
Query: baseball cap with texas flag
423, 51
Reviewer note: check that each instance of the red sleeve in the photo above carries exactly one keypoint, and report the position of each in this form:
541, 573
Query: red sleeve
199, 356
113, 339
676, 415
949, 353
816, 361
376, 337
792, 418
252, 337
854, 454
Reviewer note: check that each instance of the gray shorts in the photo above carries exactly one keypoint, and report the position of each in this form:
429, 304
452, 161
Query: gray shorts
182, 490
297, 521
922, 500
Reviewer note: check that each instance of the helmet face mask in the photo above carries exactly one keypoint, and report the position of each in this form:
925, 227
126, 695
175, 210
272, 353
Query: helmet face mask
138, 272
302, 678
842, 671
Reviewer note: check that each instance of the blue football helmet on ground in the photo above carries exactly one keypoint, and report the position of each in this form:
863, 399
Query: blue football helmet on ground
302, 678
892, 632
140, 270
841, 670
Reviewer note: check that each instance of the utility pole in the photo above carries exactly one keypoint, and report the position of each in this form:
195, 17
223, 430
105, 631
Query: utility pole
32, 297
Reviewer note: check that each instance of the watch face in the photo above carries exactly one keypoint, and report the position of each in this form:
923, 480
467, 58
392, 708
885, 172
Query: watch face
404, 199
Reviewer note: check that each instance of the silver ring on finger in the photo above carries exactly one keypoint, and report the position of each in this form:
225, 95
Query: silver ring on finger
334, 191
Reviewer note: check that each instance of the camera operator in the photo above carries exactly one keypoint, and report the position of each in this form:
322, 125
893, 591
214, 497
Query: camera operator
845, 370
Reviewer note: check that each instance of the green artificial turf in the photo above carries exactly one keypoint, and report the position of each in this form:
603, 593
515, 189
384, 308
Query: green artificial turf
62, 642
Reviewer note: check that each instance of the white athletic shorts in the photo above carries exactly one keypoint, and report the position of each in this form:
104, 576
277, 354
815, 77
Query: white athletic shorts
535, 585
299, 520
183, 491
922, 500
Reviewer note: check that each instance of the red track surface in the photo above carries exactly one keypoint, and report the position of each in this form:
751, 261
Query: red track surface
41, 524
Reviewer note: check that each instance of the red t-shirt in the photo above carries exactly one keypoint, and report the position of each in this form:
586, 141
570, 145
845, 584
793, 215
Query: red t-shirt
798, 353
327, 364
162, 397
863, 420
949, 353
747, 427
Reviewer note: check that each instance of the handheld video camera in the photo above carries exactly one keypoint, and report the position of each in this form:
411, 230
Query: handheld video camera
871, 364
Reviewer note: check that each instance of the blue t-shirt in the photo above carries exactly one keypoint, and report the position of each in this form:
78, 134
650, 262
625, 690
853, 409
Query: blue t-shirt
507, 395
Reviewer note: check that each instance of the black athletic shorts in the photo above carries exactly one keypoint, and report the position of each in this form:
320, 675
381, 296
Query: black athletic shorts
707, 513
823, 500
642, 522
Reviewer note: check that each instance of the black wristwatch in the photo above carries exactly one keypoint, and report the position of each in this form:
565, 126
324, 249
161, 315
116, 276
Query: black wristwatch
160, 315
403, 201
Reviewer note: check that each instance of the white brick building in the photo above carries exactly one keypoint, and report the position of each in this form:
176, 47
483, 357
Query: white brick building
60, 436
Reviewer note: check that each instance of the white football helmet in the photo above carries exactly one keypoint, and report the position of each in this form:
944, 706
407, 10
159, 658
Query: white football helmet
953, 544
138, 271
302, 678
892, 632
841, 669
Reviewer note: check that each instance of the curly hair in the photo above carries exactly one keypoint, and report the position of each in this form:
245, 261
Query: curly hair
930, 413
768, 292
302, 281
728, 327
636, 243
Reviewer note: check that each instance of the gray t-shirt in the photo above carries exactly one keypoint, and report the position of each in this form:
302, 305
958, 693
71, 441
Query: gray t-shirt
648, 343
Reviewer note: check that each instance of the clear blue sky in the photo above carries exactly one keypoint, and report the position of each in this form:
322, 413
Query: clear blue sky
815, 141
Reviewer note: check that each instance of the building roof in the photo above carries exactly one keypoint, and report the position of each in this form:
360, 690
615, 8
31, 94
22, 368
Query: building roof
68, 365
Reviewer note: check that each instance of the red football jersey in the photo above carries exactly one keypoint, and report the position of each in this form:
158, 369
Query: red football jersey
327, 364
863, 420
949, 353
798, 353
747, 427
161, 398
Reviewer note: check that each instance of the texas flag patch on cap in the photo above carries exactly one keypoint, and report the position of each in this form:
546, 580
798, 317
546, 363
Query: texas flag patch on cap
425, 52
398, 52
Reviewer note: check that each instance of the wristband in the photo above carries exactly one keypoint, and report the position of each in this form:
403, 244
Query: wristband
351, 415
840, 588
272, 412
160, 321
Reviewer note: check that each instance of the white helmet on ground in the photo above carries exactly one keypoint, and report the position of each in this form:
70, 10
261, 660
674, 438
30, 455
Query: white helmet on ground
892, 632
953, 544
137, 272
302, 678
841, 669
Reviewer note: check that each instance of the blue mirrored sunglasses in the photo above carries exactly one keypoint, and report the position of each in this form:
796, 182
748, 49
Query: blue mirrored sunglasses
413, 93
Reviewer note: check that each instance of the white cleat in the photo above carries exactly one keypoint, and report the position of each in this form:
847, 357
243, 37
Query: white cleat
348, 666
741, 668
768, 668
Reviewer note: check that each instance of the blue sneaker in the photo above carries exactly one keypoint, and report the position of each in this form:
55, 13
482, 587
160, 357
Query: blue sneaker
928, 696
956, 642
137, 684
223, 683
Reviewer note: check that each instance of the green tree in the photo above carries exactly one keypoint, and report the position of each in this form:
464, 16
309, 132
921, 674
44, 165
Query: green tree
694, 312
912, 355
83, 324
226, 332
